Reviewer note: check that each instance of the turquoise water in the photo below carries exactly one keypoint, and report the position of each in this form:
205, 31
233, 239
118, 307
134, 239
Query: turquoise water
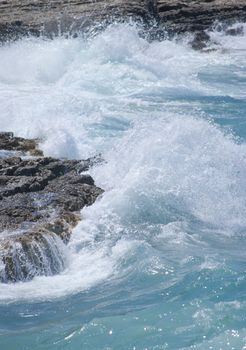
159, 261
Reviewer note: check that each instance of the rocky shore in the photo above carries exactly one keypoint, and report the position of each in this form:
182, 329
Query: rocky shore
41, 197
52, 17
40, 203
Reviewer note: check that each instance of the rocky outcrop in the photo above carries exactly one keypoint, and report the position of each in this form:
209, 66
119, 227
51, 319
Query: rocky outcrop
196, 15
40, 203
53, 17
18, 144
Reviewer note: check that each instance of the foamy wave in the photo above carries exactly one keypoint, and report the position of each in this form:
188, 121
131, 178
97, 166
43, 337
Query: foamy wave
141, 105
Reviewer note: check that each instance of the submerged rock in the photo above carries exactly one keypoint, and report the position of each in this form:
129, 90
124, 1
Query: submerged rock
40, 200
200, 41
234, 31
31, 254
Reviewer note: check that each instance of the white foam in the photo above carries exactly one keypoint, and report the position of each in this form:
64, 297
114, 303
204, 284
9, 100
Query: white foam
69, 91
183, 163
124, 97
87, 267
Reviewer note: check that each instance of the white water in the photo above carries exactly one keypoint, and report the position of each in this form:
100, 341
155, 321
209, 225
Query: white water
140, 105
44, 256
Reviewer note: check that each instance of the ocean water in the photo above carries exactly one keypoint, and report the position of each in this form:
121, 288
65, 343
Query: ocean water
158, 262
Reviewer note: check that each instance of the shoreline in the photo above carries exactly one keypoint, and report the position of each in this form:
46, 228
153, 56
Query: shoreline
41, 199
52, 18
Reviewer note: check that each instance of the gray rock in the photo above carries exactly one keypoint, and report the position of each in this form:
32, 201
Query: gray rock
10, 143
31, 254
198, 15
201, 40
54, 17
40, 200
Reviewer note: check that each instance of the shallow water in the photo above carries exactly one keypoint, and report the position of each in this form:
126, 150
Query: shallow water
159, 261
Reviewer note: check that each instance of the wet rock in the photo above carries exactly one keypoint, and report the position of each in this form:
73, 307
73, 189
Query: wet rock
54, 17
234, 31
10, 143
32, 254
69, 18
24, 209
40, 203
201, 41
198, 15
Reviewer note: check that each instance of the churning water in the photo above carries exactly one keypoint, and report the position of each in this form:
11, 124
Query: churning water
159, 261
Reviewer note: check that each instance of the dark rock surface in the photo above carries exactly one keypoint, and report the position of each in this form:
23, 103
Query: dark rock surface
40, 200
200, 41
10, 143
197, 15
53, 17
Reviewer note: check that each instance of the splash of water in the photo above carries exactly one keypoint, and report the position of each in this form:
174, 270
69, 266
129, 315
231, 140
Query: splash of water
23, 259
165, 245
145, 106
